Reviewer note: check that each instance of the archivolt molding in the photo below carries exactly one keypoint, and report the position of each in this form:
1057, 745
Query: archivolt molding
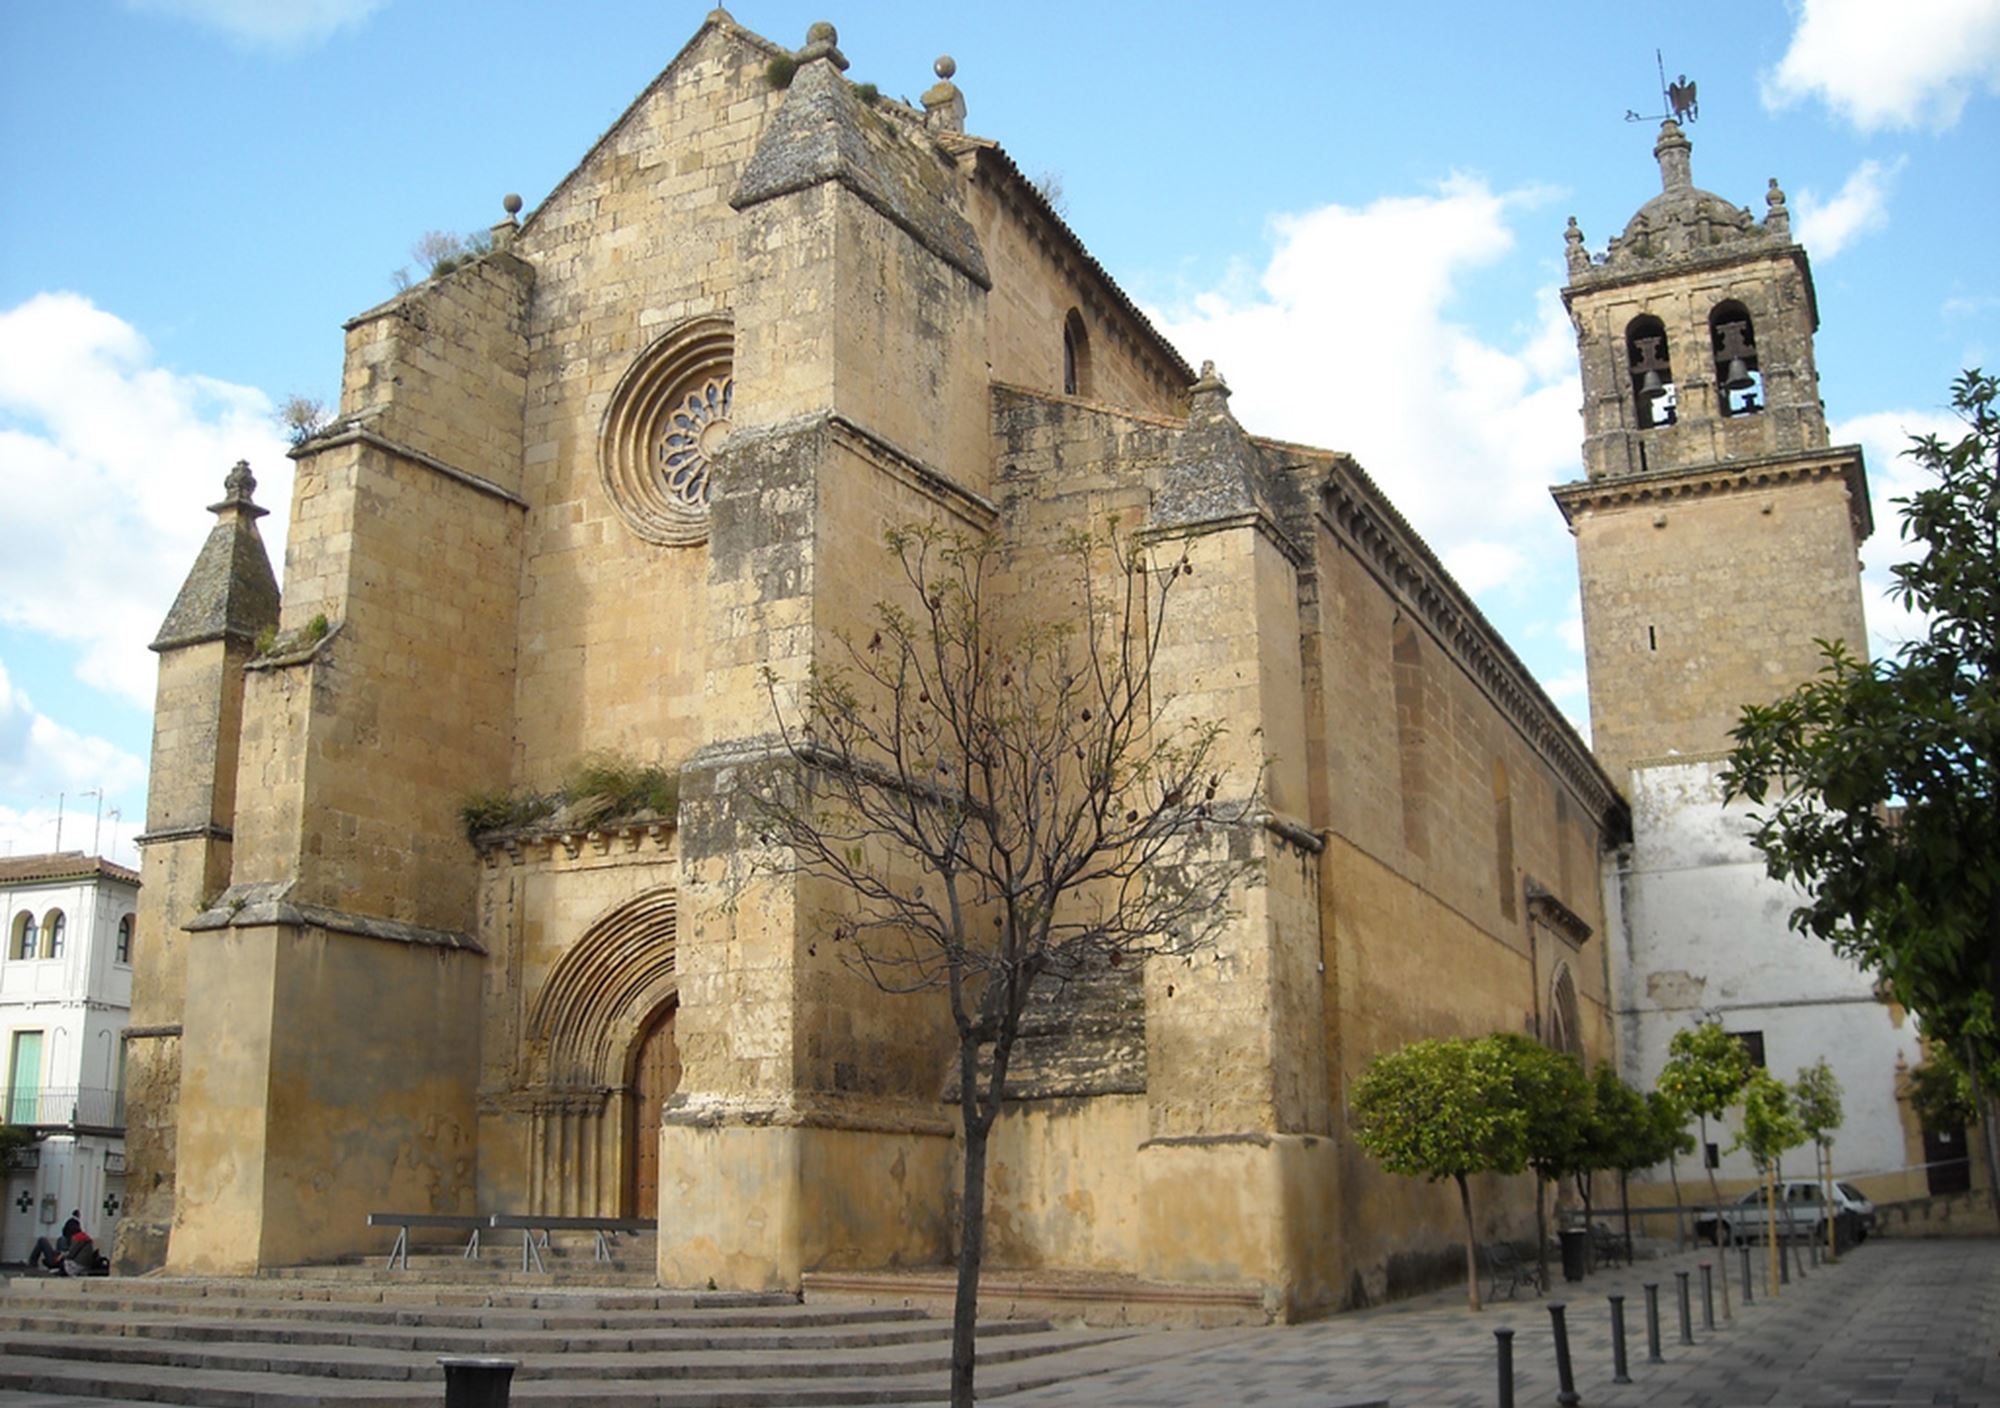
603, 990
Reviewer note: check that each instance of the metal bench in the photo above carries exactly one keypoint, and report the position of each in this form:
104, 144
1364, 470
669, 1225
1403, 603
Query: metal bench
532, 1247
1607, 1246
1503, 1263
399, 1255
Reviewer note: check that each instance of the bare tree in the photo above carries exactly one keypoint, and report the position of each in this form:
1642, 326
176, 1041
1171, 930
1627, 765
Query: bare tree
1005, 800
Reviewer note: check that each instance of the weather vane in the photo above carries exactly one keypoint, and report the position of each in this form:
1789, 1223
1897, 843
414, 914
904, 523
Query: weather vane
1678, 96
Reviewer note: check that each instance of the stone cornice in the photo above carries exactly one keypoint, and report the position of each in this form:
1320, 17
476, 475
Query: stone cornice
1255, 519
539, 844
1357, 513
1565, 922
203, 830
1728, 477
256, 906
354, 432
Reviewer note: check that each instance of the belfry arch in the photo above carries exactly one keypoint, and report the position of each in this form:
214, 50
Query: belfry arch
600, 1030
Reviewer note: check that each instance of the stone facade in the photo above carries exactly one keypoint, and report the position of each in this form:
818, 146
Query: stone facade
615, 485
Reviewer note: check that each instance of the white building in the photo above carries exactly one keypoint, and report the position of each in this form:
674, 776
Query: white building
1707, 938
65, 999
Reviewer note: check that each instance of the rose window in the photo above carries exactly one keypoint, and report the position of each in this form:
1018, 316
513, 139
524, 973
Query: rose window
695, 430
668, 418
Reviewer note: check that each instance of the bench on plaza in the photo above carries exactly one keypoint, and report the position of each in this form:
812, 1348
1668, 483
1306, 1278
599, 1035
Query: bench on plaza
1607, 1247
1504, 1264
529, 1224
399, 1255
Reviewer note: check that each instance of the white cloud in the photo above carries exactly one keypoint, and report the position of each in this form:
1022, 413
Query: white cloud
1878, 65
1883, 437
1827, 227
108, 461
41, 759
1464, 435
285, 25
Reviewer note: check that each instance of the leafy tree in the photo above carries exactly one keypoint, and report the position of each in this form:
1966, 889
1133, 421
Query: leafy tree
1554, 1098
1668, 1140
1620, 1136
1004, 805
1706, 1070
1883, 777
1816, 1099
1771, 1125
1941, 1092
1445, 1109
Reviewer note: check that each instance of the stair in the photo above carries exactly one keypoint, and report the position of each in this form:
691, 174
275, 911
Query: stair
334, 1338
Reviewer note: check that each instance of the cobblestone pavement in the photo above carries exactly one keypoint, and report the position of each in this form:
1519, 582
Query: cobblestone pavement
1894, 1323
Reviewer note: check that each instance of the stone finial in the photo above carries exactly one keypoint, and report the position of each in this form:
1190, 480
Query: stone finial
944, 105
1672, 152
1777, 215
1578, 256
822, 42
237, 487
503, 233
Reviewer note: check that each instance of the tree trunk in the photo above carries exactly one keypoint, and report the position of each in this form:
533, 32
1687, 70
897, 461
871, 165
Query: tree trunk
971, 1251
1680, 1209
1987, 1108
1771, 1228
1541, 1233
1823, 1155
1625, 1209
1471, 1247
1589, 1228
1715, 1197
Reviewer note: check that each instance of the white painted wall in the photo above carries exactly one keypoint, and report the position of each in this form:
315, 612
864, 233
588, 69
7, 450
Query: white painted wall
1705, 934
81, 1003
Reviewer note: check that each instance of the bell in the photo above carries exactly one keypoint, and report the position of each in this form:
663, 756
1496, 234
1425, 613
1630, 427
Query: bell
1738, 376
1649, 385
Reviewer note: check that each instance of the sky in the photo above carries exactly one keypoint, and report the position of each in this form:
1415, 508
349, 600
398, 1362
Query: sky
1355, 211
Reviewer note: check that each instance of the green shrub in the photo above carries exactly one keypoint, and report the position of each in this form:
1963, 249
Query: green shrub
778, 73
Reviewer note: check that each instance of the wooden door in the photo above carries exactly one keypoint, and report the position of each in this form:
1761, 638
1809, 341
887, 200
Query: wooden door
656, 1074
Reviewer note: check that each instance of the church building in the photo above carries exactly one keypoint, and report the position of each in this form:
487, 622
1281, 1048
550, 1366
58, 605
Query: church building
587, 492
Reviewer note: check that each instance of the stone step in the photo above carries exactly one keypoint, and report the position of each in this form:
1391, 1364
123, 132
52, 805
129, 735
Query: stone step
306, 1317
744, 1360
647, 1336
385, 1289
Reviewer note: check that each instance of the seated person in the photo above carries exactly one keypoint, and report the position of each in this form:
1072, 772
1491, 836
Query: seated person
48, 1256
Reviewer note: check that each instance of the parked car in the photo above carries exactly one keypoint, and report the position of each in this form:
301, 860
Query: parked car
1801, 1211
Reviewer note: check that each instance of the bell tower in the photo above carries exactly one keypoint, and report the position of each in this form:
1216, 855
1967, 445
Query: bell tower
1716, 530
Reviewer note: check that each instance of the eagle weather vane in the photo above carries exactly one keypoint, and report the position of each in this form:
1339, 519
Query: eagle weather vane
1679, 97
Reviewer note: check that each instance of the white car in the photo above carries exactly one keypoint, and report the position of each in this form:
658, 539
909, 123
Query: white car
1800, 1212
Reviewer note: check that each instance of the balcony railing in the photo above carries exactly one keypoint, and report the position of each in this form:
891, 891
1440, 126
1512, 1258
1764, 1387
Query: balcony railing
66, 1107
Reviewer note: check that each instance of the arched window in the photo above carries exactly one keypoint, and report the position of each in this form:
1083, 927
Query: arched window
1565, 1021
123, 952
53, 929
27, 937
1076, 355
1651, 371
1739, 385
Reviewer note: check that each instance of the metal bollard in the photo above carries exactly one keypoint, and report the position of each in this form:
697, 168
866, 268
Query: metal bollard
471, 1382
1749, 1297
1687, 1319
1815, 1253
1653, 1355
1566, 1395
1505, 1347
1619, 1373
1784, 1265
1707, 1297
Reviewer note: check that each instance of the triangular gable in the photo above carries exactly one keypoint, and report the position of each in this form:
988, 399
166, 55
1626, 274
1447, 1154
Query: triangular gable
718, 23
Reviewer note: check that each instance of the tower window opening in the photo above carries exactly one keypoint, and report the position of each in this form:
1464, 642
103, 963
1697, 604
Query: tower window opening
1652, 638
1076, 355
1653, 392
1739, 385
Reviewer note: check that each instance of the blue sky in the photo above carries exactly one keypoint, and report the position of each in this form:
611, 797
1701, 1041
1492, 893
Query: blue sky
1357, 211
